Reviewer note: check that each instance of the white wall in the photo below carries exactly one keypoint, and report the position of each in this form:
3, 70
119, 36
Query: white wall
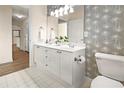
5, 34
37, 18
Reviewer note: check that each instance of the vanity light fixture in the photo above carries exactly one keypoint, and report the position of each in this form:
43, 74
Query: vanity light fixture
61, 10
66, 8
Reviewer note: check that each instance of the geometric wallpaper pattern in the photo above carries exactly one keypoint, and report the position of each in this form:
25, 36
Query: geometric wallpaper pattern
104, 32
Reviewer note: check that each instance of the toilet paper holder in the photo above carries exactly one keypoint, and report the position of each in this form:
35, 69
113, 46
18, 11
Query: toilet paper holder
79, 60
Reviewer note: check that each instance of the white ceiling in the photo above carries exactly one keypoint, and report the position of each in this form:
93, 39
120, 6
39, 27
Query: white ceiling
23, 10
20, 10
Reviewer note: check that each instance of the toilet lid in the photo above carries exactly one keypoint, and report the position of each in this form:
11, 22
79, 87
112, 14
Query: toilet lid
104, 82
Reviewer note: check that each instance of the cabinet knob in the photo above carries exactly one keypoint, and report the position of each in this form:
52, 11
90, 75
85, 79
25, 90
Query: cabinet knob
46, 65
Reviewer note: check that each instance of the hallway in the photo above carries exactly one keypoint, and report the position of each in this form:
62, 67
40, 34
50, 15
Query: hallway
20, 61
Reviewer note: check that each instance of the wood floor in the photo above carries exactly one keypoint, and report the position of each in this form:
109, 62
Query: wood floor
20, 61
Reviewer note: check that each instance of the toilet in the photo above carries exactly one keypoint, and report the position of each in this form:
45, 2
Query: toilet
111, 68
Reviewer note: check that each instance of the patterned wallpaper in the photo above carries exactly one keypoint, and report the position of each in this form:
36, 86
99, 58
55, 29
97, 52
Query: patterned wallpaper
104, 32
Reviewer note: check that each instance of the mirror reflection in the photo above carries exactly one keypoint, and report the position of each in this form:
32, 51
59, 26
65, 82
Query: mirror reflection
65, 23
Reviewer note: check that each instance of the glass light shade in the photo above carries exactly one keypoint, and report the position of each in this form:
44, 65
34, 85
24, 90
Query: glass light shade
56, 13
52, 13
66, 7
61, 11
71, 10
65, 12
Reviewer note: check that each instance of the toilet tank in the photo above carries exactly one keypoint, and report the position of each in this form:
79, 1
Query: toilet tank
111, 66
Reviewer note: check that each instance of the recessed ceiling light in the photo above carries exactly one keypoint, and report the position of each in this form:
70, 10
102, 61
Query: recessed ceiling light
19, 16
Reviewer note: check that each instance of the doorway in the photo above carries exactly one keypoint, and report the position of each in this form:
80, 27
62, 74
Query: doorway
20, 41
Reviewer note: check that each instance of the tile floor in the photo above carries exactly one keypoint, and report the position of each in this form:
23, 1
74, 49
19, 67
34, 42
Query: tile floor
33, 78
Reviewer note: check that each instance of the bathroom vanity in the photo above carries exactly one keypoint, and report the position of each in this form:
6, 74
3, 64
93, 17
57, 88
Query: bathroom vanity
61, 61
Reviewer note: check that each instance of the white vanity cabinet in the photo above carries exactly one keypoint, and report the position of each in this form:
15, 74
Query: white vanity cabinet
66, 62
61, 63
53, 61
47, 59
40, 56
71, 71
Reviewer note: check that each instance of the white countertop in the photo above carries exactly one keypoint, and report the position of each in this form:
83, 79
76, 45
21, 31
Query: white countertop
61, 47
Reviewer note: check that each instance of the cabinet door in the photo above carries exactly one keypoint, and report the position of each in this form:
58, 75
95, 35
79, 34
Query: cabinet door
66, 67
53, 61
78, 70
78, 73
39, 56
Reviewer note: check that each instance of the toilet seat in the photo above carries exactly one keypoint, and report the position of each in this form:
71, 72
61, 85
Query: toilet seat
104, 82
